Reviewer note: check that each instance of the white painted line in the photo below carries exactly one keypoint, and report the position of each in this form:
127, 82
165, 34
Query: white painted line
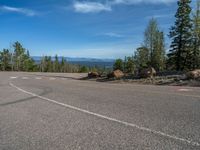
109, 118
52, 78
38, 78
184, 90
13, 77
25, 78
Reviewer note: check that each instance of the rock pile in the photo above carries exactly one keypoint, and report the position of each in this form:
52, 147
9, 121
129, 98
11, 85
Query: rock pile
148, 72
116, 74
195, 74
93, 75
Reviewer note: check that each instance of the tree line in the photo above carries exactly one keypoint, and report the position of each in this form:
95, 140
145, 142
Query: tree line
20, 60
184, 52
183, 55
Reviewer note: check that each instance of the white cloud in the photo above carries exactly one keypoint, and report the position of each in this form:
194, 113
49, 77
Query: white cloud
27, 12
87, 7
141, 1
160, 16
112, 34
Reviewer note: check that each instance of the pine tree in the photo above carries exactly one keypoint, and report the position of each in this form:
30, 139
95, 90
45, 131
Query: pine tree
196, 37
142, 57
5, 60
118, 64
18, 57
125, 64
49, 64
130, 65
84, 69
56, 64
28, 63
62, 65
180, 52
42, 64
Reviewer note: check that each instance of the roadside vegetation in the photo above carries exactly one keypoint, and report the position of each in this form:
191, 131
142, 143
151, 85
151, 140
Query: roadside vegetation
183, 54
150, 57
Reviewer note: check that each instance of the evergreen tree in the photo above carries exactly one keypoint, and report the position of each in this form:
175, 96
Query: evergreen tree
42, 64
118, 64
196, 37
49, 64
29, 63
141, 57
18, 56
5, 60
56, 64
28, 54
84, 69
62, 65
21, 58
130, 65
124, 64
180, 52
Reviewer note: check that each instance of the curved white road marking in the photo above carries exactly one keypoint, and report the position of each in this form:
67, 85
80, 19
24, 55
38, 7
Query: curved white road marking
13, 77
52, 78
25, 78
109, 118
38, 78
184, 90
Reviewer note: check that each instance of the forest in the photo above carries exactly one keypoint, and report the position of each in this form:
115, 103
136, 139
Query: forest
183, 54
184, 51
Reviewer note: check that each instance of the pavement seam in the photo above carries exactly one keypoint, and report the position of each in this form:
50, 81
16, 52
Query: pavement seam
109, 118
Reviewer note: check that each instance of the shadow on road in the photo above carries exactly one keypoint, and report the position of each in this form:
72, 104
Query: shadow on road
46, 91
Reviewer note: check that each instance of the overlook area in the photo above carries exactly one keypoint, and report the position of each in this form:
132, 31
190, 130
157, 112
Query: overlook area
100, 75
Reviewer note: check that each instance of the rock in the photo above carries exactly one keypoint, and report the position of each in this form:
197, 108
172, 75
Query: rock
93, 75
195, 74
116, 74
148, 72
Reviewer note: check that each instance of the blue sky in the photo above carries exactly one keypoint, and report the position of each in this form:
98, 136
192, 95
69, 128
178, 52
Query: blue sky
81, 28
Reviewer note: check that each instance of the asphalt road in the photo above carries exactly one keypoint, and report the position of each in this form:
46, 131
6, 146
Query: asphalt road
58, 112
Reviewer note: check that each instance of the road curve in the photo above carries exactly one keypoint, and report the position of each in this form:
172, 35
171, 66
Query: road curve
57, 111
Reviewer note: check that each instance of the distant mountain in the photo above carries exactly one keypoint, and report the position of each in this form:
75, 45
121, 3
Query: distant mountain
89, 59
90, 62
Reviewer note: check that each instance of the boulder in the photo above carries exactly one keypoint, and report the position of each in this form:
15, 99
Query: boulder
195, 74
147, 72
93, 75
116, 74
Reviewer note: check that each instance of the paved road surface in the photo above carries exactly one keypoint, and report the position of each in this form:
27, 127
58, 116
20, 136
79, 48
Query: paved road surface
57, 112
